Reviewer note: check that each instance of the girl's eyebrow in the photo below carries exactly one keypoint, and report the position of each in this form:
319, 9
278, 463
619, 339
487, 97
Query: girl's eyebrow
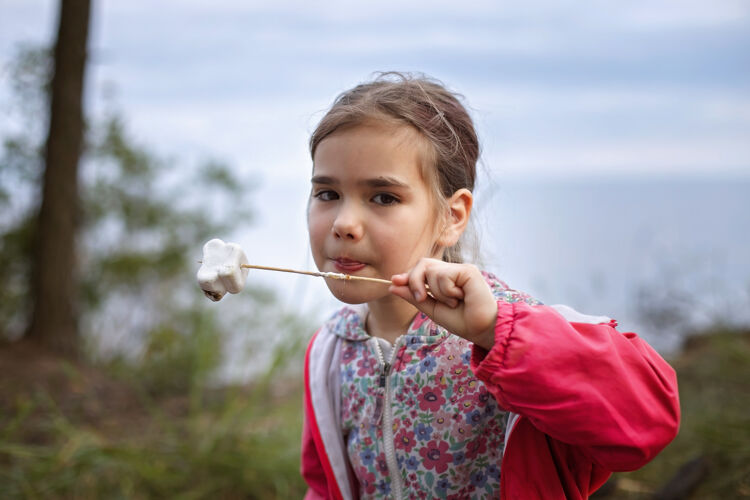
381, 181
323, 179
384, 181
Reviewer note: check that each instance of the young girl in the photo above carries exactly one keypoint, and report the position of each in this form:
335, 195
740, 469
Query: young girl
449, 384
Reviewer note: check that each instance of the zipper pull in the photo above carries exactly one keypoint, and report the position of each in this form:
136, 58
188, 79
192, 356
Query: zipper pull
384, 373
380, 401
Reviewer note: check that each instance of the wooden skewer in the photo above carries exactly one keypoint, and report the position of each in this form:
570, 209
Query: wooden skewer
336, 276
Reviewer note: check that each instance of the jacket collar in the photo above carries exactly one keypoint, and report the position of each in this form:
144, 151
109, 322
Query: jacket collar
349, 323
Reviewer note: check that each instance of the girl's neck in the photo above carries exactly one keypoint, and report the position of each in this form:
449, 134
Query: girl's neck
389, 318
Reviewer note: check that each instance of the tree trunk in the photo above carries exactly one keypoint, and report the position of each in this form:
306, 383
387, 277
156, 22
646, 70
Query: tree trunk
54, 320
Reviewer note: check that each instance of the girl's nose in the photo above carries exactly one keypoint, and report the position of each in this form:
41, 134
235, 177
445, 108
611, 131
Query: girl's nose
347, 224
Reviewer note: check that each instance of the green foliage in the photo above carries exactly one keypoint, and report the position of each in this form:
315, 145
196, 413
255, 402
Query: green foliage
245, 445
15, 247
713, 375
21, 159
158, 428
180, 356
152, 234
30, 79
20, 171
142, 227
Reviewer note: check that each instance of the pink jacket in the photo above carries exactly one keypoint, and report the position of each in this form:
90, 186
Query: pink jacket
586, 400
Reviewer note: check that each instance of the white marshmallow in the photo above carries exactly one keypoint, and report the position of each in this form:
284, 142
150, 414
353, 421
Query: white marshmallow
221, 270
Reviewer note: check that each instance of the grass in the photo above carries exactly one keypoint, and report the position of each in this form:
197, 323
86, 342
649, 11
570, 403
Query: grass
714, 382
75, 431
70, 431
240, 448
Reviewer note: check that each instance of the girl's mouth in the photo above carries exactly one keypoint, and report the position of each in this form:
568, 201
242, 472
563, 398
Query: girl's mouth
343, 265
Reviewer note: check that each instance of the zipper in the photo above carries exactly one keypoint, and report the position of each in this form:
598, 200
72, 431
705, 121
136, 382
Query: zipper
388, 439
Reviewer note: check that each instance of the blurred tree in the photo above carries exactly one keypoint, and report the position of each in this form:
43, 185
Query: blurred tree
142, 225
54, 320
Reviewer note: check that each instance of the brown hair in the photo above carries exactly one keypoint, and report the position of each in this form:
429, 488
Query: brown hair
434, 111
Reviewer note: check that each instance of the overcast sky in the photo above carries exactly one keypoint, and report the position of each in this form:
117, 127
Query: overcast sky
558, 89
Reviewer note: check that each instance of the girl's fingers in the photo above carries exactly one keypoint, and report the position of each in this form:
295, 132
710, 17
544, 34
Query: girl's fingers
427, 305
401, 287
402, 291
400, 279
438, 276
417, 281
432, 283
439, 288
405, 293
447, 284
459, 299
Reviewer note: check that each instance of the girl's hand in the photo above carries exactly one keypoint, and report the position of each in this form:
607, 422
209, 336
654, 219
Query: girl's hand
460, 300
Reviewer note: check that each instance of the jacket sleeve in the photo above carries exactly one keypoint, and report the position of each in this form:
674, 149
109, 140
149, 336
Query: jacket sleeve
607, 393
312, 467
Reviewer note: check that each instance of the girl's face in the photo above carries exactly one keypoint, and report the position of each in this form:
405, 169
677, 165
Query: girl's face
371, 213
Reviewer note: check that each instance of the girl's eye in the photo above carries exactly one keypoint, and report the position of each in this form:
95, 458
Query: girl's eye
384, 199
327, 195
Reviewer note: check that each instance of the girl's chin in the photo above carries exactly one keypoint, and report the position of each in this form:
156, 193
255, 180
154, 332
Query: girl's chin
355, 293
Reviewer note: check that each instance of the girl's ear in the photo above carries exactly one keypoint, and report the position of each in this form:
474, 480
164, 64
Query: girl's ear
459, 209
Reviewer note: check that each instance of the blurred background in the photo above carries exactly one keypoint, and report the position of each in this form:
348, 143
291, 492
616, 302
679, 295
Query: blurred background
615, 178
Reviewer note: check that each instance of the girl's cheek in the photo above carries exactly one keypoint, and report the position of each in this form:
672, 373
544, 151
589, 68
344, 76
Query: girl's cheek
315, 218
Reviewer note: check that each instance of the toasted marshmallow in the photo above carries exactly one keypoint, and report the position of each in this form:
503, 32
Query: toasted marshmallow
221, 270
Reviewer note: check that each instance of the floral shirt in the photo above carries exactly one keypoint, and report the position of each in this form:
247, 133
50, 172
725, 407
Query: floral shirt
418, 412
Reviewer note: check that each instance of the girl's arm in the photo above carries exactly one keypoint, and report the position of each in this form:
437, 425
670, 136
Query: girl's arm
588, 385
608, 393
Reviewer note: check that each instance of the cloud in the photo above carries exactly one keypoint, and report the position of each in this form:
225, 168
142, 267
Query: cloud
712, 156
611, 85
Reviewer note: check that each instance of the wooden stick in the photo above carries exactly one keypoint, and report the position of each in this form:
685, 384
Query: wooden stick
336, 276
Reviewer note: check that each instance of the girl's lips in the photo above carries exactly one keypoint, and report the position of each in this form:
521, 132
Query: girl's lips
347, 265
